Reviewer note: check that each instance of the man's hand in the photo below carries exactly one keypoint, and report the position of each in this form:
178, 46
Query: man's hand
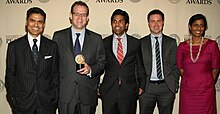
85, 70
140, 91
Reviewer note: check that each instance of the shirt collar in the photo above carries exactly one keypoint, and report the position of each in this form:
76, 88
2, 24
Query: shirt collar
31, 37
82, 32
122, 36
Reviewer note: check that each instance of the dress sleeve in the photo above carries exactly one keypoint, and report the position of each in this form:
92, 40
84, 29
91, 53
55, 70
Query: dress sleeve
179, 56
215, 55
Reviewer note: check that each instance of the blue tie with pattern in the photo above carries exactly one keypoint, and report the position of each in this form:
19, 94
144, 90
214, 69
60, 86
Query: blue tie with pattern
77, 47
35, 51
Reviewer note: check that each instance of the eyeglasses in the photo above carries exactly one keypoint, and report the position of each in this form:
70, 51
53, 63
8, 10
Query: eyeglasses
80, 14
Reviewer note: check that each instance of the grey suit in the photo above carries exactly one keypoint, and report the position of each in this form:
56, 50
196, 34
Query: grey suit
166, 91
73, 85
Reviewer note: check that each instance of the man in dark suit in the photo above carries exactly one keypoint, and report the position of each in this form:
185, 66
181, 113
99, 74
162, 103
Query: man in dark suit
32, 79
124, 77
159, 57
78, 87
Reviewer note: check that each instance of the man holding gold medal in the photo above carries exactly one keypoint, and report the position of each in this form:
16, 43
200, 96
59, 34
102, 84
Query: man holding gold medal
81, 62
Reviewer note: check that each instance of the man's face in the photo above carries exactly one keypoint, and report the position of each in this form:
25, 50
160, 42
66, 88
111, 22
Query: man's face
119, 25
156, 24
35, 24
79, 17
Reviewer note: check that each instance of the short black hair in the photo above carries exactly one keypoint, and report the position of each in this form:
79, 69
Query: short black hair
36, 10
155, 11
81, 4
198, 17
120, 12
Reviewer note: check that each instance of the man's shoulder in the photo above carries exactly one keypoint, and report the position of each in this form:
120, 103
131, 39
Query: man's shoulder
48, 41
90, 32
168, 37
18, 40
62, 30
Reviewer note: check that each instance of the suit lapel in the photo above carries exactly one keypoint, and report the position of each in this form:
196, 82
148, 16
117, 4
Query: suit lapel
69, 40
147, 54
164, 44
87, 41
26, 49
43, 49
110, 46
129, 47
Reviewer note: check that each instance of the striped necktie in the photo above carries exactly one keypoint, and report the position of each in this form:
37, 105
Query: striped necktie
158, 61
120, 55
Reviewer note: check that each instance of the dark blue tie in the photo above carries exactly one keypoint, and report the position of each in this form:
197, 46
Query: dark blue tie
158, 61
35, 51
77, 47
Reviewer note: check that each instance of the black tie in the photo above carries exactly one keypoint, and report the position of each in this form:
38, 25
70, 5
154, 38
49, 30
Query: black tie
35, 51
158, 62
77, 47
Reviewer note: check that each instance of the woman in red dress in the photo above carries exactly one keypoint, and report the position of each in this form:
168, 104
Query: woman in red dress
199, 61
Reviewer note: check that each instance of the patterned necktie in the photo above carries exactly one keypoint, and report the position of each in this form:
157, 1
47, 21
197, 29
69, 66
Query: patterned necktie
35, 51
120, 55
158, 61
77, 47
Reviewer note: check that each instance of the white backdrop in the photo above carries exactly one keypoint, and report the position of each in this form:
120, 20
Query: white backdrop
177, 14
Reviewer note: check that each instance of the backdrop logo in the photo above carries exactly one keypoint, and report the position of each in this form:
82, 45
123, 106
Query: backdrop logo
135, 1
2, 85
175, 36
1, 41
218, 41
10, 38
202, 2
18, 2
44, 1
138, 36
109, 1
47, 36
174, 1
82, 0
104, 35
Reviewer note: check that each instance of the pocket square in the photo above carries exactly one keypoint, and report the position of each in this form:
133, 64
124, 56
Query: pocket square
47, 57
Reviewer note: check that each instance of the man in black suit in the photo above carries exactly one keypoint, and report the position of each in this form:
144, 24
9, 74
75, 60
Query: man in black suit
159, 57
124, 77
32, 78
78, 87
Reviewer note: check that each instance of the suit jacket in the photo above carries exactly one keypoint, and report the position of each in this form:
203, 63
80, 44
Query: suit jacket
170, 71
32, 86
94, 54
130, 71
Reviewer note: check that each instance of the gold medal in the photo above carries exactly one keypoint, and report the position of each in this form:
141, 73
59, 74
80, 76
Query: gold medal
80, 59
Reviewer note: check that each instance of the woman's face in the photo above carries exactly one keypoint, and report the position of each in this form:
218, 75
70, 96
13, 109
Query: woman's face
197, 28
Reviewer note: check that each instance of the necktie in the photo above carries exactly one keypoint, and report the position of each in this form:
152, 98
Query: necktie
120, 55
35, 51
158, 61
77, 47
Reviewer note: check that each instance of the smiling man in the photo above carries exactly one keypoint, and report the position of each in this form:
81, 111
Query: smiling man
124, 77
159, 57
78, 87
32, 78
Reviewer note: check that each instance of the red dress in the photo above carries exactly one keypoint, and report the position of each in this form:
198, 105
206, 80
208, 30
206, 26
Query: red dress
197, 88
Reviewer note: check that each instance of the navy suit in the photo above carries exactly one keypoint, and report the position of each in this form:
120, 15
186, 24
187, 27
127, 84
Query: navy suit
32, 88
132, 75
